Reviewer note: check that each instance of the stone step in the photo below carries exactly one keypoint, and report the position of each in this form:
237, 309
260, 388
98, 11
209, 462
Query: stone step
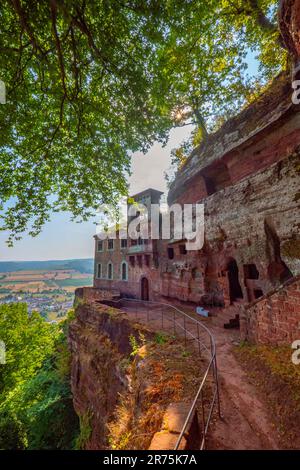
233, 323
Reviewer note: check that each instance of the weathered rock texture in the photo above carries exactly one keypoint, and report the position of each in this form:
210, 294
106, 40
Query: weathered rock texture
123, 380
274, 319
98, 342
289, 23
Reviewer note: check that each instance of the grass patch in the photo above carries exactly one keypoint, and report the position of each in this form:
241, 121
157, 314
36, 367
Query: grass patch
271, 369
160, 338
160, 372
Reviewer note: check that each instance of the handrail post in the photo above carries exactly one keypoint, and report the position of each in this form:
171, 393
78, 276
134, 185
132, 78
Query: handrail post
203, 419
198, 335
174, 321
217, 385
215, 373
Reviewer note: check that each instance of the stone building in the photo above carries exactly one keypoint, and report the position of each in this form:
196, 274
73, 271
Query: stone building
127, 265
247, 175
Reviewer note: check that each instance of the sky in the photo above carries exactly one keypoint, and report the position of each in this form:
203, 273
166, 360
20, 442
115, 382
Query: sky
63, 239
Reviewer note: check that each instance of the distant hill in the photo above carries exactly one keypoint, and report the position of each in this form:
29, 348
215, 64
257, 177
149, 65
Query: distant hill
81, 265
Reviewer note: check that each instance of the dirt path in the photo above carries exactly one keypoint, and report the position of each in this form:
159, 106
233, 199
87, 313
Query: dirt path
246, 422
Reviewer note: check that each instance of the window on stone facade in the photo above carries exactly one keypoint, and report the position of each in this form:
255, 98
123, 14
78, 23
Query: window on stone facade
132, 261
147, 260
124, 271
250, 271
216, 178
170, 253
100, 245
123, 242
182, 249
258, 293
99, 271
194, 273
110, 244
110, 271
140, 260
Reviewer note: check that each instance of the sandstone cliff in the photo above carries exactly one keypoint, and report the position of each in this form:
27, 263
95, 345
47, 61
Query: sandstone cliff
124, 377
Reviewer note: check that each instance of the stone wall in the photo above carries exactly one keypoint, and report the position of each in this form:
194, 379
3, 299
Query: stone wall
275, 318
254, 222
91, 294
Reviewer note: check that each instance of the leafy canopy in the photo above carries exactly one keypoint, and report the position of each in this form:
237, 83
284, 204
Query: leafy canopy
89, 82
35, 382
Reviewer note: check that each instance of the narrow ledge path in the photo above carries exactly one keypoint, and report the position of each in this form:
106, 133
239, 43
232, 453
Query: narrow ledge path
246, 422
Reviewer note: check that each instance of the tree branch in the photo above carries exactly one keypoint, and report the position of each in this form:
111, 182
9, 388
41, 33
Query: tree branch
261, 19
25, 25
58, 46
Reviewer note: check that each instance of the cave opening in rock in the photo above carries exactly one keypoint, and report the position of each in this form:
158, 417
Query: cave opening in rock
235, 290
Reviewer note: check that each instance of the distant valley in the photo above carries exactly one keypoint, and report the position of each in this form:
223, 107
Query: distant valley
46, 286
85, 265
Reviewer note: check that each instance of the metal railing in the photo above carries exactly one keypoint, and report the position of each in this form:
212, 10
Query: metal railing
181, 323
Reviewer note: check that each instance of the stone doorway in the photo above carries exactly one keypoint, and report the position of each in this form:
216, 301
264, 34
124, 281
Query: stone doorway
235, 290
144, 288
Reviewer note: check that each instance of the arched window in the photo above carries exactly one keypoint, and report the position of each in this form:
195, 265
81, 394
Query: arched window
124, 271
99, 271
110, 271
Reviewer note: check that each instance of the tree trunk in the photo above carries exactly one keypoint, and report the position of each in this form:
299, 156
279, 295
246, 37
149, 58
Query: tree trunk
289, 24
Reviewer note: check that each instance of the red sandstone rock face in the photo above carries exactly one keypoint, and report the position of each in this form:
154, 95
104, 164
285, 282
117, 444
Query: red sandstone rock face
276, 318
289, 23
97, 343
240, 134
252, 216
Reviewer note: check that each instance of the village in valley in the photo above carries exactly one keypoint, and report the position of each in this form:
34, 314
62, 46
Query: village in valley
49, 292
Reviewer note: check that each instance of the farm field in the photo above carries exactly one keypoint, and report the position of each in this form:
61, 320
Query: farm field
35, 281
50, 292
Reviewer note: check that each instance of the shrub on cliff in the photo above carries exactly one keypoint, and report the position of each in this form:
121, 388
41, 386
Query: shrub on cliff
36, 410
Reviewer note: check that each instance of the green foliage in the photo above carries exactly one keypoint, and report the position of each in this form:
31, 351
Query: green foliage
186, 353
36, 409
161, 338
85, 431
28, 339
134, 345
12, 432
90, 82
49, 416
